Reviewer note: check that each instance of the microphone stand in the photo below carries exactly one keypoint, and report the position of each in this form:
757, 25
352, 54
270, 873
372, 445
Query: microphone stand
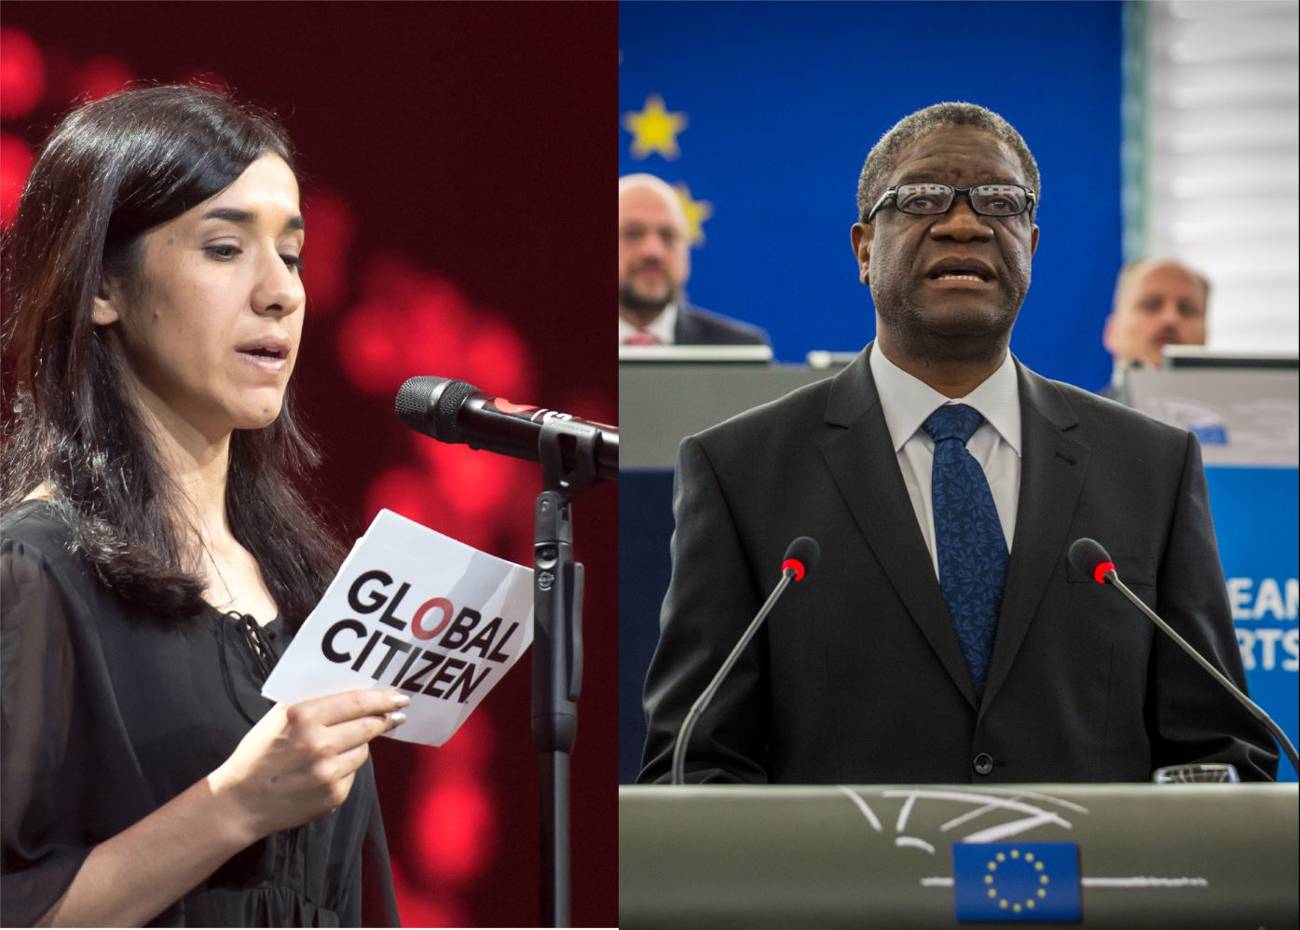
701, 702
568, 456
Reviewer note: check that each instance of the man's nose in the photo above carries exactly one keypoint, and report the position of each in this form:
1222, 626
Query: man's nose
1167, 313
652, 244
962, 223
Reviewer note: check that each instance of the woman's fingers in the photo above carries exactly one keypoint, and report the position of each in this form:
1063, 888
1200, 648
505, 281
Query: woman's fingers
349, 705
353, 733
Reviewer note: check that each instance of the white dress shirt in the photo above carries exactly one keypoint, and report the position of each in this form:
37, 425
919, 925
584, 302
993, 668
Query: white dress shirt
661, 327
907, 402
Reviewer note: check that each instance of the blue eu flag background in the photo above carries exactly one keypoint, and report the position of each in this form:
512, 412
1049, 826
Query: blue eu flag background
1016, 881
761, 115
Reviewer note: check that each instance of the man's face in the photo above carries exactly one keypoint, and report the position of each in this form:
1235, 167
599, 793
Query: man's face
653, 258
1163, 304
936, 316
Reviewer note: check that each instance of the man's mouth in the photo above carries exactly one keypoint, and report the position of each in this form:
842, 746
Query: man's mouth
958, 269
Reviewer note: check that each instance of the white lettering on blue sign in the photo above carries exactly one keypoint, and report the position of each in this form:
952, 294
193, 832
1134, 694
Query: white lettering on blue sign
1257, 606
1259, 648
1268, 599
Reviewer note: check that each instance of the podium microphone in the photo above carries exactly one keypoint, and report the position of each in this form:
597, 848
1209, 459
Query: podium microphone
800, 558
457, 412
1088, 556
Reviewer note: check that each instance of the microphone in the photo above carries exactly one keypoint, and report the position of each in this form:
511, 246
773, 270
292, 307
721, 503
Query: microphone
457, 412
1088, 556
800, 558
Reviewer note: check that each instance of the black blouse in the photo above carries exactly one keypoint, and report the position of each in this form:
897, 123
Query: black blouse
107, 714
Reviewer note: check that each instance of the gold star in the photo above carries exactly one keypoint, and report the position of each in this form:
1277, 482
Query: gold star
654, 129
696, 211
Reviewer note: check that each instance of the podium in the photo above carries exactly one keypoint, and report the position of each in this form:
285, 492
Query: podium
755, 857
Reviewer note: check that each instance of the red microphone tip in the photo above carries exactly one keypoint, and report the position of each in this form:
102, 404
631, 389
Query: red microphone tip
795, 566
1101, 571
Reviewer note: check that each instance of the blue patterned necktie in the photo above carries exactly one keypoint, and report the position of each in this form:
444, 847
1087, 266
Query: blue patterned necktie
968, 537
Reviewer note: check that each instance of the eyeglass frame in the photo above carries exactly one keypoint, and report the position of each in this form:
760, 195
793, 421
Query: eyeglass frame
892, 194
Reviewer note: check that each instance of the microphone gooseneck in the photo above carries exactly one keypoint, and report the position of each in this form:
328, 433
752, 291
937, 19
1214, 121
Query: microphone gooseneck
1089, 557
800, 558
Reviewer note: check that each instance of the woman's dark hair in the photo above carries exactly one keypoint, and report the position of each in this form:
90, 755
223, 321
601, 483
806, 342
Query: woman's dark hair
112, 170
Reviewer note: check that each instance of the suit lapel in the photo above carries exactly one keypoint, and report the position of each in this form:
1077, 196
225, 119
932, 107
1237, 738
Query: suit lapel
1052, 468
862, 461
689, 327
683, 332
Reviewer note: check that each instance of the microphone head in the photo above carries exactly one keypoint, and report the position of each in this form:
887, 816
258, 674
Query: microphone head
1090, 558
801, 556
431, 405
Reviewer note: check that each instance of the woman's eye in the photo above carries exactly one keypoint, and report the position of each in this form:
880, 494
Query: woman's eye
223, 253
292, 261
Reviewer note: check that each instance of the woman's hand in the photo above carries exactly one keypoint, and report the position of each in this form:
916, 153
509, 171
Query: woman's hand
298, 761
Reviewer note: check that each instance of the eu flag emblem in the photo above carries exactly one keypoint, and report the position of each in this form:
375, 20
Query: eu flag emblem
1016, 881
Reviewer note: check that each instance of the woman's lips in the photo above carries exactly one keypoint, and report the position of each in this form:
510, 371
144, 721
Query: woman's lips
264, 362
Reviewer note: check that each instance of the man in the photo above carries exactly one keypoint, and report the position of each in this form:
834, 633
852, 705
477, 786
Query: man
919, 650
1158, 302
653, 264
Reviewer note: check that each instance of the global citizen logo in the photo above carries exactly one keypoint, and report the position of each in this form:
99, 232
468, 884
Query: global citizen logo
453, 652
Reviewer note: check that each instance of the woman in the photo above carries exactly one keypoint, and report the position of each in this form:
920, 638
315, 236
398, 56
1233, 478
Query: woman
154, 556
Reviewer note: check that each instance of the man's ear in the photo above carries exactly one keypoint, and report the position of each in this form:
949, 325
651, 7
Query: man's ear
107, 303
1108, 334
861, 235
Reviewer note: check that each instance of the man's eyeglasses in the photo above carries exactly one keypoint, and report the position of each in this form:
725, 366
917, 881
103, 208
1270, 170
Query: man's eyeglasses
928, 198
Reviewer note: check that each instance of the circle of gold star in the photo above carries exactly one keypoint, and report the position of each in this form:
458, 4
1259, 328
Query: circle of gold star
1007, 904
654, 129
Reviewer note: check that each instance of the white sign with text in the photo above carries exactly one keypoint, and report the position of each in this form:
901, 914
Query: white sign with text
417, 611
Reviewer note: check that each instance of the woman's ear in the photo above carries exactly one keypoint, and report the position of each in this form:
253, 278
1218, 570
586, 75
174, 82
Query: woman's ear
106, 308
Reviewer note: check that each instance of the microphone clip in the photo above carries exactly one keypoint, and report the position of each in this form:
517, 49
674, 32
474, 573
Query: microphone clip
567, 450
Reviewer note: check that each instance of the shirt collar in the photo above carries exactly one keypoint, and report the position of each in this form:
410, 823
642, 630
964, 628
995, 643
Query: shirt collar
906, 401
661, 327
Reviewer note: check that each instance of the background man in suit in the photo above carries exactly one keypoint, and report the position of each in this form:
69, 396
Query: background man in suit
1158, 302
944, 636
654, 262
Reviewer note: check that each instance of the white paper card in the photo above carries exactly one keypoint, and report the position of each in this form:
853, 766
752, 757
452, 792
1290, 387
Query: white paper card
416, 611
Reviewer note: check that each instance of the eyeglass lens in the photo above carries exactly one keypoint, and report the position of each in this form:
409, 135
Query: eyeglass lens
987, 199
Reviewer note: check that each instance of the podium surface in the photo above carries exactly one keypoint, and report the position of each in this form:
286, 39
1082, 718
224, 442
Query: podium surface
881, 856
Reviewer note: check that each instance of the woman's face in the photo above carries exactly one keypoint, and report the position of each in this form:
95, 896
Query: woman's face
209, 327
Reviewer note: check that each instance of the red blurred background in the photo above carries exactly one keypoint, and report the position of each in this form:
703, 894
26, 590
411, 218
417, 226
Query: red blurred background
457, 178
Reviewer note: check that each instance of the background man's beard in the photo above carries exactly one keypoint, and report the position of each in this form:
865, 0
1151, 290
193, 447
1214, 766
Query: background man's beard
641, 306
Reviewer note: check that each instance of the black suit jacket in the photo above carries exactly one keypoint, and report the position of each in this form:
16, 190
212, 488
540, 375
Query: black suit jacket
857, 675
700, 327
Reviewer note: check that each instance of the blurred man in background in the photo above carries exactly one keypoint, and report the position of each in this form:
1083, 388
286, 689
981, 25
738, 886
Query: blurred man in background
1158, 302
654, 262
